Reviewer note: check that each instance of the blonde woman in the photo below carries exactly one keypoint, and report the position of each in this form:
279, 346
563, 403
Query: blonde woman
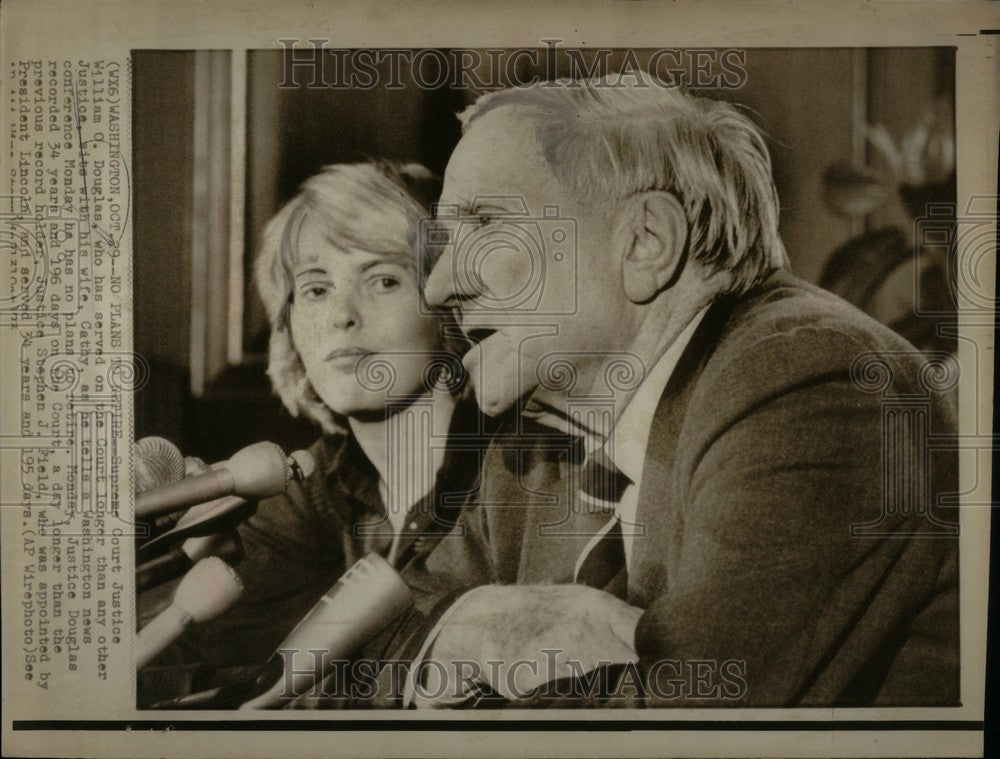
354, 349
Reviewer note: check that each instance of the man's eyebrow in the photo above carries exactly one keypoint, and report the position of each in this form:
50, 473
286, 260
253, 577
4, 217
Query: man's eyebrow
447, 210
493, 203
452, 208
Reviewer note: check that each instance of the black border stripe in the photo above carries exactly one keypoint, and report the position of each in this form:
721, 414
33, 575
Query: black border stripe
450, 725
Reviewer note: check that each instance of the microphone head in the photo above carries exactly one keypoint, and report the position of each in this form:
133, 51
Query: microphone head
302, 463
157, 462
224, 545
259, 470
194, 465
209, 589
365, 599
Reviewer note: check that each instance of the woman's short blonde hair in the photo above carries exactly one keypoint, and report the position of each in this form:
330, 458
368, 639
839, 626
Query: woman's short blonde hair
377, 207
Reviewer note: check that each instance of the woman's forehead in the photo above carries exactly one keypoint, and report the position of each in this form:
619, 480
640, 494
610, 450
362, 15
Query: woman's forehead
334, 258
312, 246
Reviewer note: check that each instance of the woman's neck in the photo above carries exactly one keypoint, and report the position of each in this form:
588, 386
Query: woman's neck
406, 448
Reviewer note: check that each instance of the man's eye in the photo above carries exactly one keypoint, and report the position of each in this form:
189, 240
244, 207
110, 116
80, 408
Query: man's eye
483, 219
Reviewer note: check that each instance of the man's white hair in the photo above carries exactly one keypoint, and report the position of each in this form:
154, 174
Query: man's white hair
370, 206
607, 143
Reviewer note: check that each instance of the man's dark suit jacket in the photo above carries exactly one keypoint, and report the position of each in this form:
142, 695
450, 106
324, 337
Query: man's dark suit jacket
773, 440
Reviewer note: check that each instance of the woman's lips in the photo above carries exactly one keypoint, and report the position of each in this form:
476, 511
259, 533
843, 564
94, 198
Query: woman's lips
347, 353
347, 359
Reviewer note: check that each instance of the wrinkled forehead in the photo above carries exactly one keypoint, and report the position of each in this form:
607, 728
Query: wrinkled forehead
499, 154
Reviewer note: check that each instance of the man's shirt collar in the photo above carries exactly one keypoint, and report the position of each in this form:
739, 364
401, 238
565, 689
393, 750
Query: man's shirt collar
626, 445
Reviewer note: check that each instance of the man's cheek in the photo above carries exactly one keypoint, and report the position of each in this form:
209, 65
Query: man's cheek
507, 271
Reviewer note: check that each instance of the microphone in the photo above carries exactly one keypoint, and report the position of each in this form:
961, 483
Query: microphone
158, 526
179, 559
257, 471
216, 516
204, 519
157, 462
362, 603
208, 590
194, 465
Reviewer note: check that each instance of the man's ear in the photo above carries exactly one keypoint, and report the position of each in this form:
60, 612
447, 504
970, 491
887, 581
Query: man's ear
651, 233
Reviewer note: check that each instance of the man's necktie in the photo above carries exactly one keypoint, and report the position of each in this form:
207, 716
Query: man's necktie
602, 485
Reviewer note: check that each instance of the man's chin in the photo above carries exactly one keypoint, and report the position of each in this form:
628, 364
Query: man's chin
497, 390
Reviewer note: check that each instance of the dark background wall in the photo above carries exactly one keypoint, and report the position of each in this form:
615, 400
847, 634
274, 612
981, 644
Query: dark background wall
162, 144
808, 102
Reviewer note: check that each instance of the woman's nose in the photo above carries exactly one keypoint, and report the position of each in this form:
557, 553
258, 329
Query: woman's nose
344, 313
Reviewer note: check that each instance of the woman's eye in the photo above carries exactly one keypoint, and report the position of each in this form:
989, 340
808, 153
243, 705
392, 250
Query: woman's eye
315, 292
385, 283
483, 219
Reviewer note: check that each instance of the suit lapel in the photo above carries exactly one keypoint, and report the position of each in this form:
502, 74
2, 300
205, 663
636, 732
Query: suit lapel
534, 535
649, 559
561, 529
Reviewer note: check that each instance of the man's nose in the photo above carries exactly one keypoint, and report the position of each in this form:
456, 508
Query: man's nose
441, 289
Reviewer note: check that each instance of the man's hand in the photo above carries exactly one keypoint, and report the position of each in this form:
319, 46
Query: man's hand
517, 637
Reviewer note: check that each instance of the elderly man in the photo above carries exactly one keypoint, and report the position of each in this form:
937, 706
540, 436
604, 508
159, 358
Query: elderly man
725, 526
